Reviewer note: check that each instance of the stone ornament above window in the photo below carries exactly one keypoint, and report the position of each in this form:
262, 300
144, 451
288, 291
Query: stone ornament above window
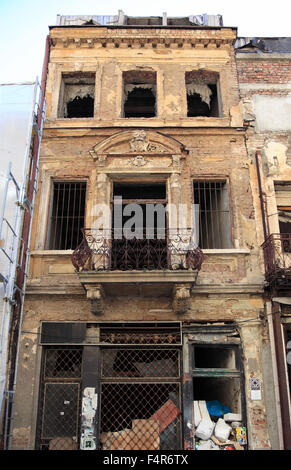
139, 160
140, 143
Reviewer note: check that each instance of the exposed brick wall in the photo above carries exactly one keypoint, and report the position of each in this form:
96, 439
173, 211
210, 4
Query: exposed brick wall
253, 71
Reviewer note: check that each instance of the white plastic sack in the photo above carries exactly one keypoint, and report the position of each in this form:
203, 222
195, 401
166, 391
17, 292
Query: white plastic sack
222, 430
229, 417
205, 429
197, 414
205, 445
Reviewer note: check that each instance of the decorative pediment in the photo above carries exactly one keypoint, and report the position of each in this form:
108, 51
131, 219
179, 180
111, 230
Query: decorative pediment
137, 142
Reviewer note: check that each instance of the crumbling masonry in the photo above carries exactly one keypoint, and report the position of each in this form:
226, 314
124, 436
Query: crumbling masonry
124, 339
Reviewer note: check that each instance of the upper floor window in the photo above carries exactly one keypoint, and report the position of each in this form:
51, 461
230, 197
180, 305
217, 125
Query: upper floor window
67, 212
77, 95
139, 94
214, 217
202, 94
283, 200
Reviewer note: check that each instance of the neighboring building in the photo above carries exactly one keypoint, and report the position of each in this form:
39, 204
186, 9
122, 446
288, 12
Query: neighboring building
121, 335
264, 72
22, 109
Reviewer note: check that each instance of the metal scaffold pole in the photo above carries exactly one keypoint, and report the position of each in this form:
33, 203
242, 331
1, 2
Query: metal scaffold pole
15, 248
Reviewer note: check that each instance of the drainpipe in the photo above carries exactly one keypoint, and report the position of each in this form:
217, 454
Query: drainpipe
258, 155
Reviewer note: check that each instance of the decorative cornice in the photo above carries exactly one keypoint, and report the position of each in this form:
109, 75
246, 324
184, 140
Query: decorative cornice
140, 38
172, 43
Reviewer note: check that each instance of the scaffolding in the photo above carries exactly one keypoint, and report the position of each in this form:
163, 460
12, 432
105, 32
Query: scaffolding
15, 233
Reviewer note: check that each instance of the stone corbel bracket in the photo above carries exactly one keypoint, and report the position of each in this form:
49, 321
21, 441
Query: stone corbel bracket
100, 159
181, 297
96, 295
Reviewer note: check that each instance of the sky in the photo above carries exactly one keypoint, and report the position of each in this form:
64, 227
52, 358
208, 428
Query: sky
24, 24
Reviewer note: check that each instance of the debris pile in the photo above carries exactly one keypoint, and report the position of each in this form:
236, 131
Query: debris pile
216, 428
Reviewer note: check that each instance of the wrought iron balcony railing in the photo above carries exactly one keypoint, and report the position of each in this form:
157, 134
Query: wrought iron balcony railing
277, 257
169, 249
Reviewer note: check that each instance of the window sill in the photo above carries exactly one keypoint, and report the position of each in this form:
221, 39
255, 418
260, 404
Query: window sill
125, 122
52, 252
227, 251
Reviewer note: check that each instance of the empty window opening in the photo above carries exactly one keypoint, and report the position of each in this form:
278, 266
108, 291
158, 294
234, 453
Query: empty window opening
214, 217
145, 195
202, 94
208, 356
67, 215
283, 199
139, 90
142, 220
77, 95
140, 191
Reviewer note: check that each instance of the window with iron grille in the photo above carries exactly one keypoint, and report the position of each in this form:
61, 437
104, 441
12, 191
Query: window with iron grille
214, 216
59, 405
66, 215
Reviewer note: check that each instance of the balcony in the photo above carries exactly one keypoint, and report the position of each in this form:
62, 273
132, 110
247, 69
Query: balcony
165, 262
277, 257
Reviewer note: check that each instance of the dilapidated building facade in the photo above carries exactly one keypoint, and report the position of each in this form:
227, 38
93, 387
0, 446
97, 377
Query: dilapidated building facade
123, 334
264, 71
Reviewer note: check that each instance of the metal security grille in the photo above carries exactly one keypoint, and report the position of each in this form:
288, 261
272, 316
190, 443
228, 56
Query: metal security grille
141, 399
67, 215
214, 217
58, 423
140, 363
126, 334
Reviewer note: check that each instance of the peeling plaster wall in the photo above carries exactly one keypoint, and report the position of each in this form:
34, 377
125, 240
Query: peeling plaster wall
265, 87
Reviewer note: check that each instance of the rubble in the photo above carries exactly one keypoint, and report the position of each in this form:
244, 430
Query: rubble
216, 433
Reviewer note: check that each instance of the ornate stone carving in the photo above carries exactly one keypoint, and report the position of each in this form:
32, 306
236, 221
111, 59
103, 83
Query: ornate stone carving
140, 143
176, 161
99, 159
139, 161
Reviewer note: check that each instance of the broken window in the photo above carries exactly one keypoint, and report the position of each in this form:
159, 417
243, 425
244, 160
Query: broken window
77, 95
202, 94
214, 217
283, 199
139, 94
66, 215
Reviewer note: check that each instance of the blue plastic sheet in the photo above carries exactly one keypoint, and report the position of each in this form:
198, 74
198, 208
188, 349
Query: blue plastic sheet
217, 409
